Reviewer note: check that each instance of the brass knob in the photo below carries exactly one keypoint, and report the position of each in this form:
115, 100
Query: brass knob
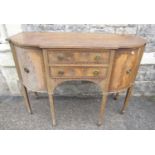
129, 71
97, 57
26, 70
133, 52
96, 73
60, 73
60, 57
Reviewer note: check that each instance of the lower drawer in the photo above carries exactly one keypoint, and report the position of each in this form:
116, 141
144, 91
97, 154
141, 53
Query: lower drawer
78, 72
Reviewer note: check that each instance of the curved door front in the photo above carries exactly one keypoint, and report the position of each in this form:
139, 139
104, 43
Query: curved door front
124, 69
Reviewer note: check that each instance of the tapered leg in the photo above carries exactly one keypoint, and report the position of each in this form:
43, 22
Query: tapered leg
116, 96
128, 94
26, 98
51, 100
102, 110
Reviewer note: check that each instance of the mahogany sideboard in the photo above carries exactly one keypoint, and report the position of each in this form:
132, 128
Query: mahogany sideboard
45, 59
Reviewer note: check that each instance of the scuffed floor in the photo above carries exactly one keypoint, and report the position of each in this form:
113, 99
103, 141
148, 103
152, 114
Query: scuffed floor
77, 113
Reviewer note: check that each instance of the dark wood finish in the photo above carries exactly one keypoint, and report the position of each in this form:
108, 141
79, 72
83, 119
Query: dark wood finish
45, 60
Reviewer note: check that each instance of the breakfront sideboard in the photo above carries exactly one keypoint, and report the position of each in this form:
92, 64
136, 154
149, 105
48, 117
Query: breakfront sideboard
44, 60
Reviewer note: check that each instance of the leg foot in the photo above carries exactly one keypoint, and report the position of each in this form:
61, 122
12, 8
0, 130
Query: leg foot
102, 110
128, 94
26, 98
99, 124
36, 95
51, 100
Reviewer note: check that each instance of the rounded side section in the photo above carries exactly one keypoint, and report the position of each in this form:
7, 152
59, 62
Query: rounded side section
125, 67
31, 67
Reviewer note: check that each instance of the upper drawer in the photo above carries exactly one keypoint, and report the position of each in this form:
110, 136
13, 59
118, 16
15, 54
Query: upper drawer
78, 56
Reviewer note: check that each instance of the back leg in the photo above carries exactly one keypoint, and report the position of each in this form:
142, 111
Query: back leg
115, 97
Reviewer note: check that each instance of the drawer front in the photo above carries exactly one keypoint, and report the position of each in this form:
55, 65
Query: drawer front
83, 56
78, 72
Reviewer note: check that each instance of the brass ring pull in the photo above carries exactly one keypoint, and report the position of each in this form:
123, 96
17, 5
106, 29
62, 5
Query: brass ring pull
26, 70
60, 73
129, 71
133, 52
96, 73
97, 57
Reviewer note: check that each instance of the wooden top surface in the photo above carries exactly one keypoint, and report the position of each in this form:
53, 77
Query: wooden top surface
76, 40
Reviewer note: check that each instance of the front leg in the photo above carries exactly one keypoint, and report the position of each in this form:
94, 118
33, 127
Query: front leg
102, 110
128, 94
26, 98
51, 100
115, 97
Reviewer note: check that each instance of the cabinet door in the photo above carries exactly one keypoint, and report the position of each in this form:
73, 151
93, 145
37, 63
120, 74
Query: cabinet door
31, 67
124, 69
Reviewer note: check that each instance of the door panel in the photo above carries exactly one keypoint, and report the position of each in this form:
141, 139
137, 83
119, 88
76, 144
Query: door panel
32, 68
124, 69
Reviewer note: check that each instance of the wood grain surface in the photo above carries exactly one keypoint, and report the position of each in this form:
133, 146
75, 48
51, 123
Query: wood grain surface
31, 68
45, 60
76, 40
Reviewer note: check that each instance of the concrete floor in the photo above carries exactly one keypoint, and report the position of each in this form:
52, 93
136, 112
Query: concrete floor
77, 113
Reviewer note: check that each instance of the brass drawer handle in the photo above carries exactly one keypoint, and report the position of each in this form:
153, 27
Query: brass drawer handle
96, 73
129, 71
60, 73
26, 70
133, 52
97, 58
60, 57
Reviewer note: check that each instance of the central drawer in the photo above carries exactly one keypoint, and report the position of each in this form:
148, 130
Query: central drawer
72, 56
78, 72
